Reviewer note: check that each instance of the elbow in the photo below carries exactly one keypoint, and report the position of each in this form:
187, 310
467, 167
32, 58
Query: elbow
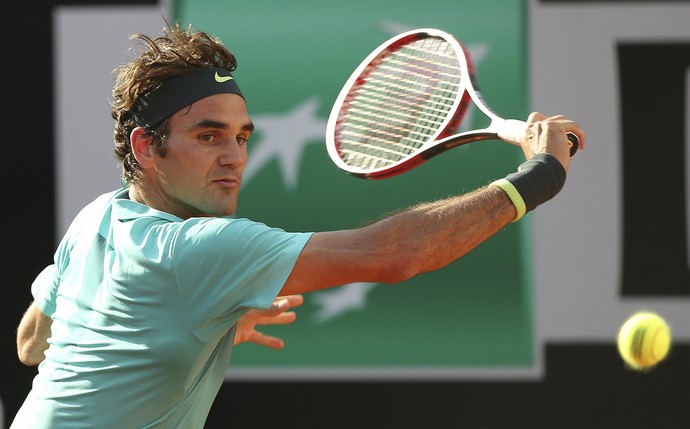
28, 360
30, 356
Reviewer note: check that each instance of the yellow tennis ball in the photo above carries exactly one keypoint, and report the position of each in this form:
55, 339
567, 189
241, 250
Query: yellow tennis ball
644, 340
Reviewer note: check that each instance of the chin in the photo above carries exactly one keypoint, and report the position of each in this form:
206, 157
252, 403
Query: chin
219, 212
223, 208
227, 211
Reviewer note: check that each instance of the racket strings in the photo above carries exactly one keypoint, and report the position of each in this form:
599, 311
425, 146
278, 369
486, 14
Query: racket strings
400, 105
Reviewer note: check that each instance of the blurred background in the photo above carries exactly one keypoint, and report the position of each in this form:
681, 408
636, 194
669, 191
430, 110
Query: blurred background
521, 332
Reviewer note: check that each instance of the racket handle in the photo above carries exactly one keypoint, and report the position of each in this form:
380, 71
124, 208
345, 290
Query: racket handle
574, 144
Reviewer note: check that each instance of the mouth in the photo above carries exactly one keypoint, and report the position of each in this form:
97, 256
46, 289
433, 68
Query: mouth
228, 182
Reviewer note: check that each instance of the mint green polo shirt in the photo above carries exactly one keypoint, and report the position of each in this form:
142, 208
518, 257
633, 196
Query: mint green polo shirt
144, 307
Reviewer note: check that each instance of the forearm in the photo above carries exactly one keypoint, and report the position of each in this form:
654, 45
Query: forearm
426, 237
430, 236
410, 242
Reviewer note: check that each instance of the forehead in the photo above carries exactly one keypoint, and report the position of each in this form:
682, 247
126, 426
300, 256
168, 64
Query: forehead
229, 109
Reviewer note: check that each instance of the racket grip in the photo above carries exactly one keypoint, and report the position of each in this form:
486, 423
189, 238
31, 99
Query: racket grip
574, 144
513, 128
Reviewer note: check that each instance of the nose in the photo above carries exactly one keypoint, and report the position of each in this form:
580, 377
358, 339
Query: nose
234, 154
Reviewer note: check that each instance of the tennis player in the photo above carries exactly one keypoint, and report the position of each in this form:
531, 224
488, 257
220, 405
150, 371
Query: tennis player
153, 283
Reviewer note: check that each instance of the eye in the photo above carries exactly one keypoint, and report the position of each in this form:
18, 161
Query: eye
242, 140
207, 138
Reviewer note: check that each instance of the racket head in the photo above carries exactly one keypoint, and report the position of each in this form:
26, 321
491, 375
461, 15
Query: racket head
408, 93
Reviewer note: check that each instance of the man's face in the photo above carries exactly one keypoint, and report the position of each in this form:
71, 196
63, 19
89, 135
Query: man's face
201, 173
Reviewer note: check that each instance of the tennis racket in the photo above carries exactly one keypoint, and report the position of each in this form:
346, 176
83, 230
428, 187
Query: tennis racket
403, 104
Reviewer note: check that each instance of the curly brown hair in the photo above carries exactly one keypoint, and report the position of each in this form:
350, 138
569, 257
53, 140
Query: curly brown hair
175, 52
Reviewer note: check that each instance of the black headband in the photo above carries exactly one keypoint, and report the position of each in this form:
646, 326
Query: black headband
176, 93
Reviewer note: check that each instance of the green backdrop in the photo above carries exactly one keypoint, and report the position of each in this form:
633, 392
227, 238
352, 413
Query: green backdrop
474, 315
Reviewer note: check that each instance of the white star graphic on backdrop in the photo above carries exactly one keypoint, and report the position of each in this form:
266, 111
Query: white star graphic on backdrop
285, 135
334, 302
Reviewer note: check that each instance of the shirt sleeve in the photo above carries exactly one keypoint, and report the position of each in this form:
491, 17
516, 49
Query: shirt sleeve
224, 265
44, 289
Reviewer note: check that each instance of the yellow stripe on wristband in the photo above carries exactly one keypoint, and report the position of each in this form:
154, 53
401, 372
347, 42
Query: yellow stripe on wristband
514, 196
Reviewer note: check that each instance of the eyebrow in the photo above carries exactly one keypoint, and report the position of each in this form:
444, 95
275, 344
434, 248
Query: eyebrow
208, 123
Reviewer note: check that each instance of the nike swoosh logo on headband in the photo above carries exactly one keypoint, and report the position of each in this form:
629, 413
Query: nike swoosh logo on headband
221, 79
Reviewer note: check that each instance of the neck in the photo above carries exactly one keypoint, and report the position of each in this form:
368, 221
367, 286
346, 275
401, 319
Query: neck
136, 195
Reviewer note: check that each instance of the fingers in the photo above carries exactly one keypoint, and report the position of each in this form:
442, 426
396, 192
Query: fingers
549, 134
275, 319
266, 340
569, 126
283, 303
293, 300
277, 314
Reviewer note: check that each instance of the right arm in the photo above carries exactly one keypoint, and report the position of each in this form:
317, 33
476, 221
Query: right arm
421, 239
425, 237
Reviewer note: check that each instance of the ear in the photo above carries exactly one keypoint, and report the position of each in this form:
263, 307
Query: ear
141, 146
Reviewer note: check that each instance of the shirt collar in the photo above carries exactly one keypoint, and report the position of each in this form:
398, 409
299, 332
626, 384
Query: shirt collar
125, 209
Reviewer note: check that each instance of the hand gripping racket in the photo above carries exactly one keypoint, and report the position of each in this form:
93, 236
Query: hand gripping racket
404, 103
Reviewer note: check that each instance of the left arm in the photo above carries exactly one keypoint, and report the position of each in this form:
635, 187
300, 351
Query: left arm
32, 336
34, 328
